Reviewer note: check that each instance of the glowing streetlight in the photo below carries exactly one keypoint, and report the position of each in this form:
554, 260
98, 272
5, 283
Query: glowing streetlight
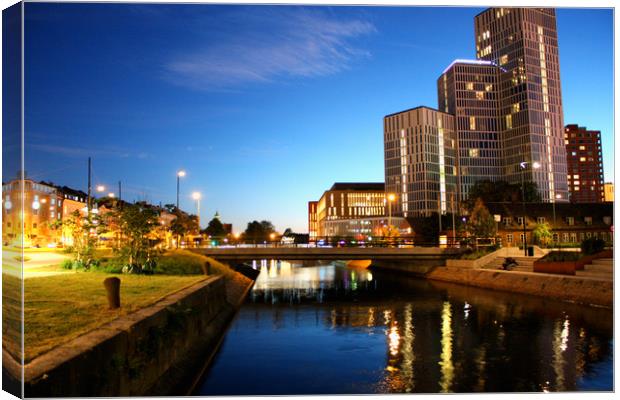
391, 197
180, 174
111, 195
272, 236
196, 196
100, 188
535, 165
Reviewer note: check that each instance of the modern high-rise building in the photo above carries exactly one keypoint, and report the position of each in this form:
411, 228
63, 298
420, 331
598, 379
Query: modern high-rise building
584, 158
469, 90
523, 42
420, 158
504, 110
312, 220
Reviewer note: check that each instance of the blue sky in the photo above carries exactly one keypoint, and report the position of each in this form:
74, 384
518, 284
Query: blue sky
265, 107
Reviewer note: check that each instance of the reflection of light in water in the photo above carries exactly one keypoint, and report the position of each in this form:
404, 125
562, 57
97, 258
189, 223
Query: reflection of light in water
481, 364
407, 349
447, 368
386, 317
559, 344
394, 340
371, 317
564, 336
466, 309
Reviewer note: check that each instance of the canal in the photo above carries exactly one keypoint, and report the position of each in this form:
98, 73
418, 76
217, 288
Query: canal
328, 329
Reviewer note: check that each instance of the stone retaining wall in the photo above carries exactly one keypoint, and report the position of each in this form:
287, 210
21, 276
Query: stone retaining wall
133, 355
568, 288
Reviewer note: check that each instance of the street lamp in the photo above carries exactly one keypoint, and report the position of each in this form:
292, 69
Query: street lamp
111, 195
180, 174
535, 165
391, 197
557, 196
100, 188
196, 196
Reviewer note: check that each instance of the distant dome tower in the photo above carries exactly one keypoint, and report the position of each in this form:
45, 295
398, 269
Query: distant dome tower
217, 216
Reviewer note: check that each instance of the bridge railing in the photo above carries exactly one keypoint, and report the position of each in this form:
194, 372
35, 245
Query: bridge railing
338, 242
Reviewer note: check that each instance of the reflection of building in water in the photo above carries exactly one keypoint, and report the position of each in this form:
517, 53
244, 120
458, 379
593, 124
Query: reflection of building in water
447, 366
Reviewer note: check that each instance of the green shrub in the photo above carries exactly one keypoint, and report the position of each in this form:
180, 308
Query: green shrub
592, 246
184, 262
561, 256
67, 264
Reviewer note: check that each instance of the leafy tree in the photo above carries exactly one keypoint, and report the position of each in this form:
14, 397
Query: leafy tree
215, 228
481, 223
502, 191
542, 234
183, 224
390, 231
83, 231
258, 231
136, 221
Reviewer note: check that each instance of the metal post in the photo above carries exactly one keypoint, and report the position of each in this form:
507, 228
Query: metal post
523, 201
89, 188
453, 220
389, 214
553, 231
178, 184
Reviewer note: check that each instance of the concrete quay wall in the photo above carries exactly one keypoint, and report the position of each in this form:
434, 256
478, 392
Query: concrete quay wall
156, 350
589, 291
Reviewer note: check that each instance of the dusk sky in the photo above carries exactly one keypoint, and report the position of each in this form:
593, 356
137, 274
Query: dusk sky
265, 107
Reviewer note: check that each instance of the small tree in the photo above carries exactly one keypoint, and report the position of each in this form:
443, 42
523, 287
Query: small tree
183, 224
215, 228
542, 234
481, 223
83, 231
137, 222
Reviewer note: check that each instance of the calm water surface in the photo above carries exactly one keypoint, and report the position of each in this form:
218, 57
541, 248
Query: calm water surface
327, 329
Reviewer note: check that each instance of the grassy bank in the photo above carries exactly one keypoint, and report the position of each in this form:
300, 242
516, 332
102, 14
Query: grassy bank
61, 307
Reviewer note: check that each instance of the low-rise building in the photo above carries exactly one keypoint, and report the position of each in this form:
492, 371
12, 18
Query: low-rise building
356, 210
569, 223
609, 191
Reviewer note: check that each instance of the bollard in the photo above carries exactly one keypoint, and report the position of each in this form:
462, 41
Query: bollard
113, 292
206, 269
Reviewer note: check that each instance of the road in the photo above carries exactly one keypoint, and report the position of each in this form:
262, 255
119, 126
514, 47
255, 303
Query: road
36, 261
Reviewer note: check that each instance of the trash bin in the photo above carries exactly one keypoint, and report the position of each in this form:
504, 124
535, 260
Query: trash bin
530, 251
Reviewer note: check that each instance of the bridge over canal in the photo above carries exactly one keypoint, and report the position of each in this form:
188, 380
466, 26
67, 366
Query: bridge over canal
429, 255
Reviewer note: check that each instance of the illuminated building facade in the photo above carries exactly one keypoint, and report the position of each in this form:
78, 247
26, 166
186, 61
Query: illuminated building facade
469, 90
312, 219
43, 207
420, 160
584, 159
609, 191
523, 42
354, 210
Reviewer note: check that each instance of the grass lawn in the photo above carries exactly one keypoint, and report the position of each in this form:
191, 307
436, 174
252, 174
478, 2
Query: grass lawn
61, 307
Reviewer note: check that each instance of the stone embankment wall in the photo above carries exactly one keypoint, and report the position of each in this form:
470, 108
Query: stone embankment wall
156, 350
568, 288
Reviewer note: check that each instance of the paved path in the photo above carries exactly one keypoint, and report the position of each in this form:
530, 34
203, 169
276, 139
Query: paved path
36, 265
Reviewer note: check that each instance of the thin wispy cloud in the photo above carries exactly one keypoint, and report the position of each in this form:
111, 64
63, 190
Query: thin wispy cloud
76, 151
297, 43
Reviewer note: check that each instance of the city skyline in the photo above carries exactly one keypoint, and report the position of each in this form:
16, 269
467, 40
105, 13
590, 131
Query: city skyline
308, 114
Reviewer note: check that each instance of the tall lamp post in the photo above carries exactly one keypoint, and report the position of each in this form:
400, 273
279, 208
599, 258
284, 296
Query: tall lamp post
390, 197
196, 196
535, 165
557, 196
180, 175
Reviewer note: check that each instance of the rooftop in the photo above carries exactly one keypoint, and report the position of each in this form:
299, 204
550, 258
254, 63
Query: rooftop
471, 62
359, 186
415, 108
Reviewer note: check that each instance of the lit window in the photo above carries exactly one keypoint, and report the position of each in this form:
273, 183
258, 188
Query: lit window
516, 107
570, 221
540, 220
469, 86
503, 59
582, 159
587, 220
582, 147
508, 121
472, 123
576, 183
479, 95
575, 176
576, 188
488, 87
565, 141
474, 152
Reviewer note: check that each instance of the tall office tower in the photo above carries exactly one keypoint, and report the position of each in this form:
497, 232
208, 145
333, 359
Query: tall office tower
523, 41
468, 89
584, 158
420, 156
312, 220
